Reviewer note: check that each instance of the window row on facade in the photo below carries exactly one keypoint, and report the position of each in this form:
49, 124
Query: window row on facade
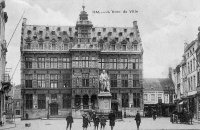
192, 82
42, 80
65, 46
42, 101
66, 100
53, 63
191, 65
116, 80
84, 62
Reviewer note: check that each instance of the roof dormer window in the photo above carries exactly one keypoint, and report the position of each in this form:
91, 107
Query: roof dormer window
120, 34
29, 32
99, 34
47, 28
93, 29
53, 32
58, 29
125, 30
114, 29
70, 29
34, 28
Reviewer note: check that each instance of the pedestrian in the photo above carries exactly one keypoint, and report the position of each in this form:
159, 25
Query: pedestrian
4, 118
86, 121
69, 120
96, 123
111, 117
103, 122
138, 120
154, 114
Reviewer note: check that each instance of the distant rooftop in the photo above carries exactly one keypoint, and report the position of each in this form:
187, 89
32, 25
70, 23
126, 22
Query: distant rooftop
157, 84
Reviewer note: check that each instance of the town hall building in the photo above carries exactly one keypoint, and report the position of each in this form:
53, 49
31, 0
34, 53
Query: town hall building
60, 68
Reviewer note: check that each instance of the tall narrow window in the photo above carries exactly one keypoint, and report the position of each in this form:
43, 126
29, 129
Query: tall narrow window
124, 80
112, 46
136, 83
41, 62
124, 63
113, 63
66, 101
54, 62
85, 61
29, 101
65, 46
28, 62
28, 45
85, 80
41, 80
135, 47
28, 80
66, 63
53, 46
41, 101
40, 45
136, 99
67, 80
114, 96
125, 100
135, 63
123, 47
113, 80
102, 62
54, 80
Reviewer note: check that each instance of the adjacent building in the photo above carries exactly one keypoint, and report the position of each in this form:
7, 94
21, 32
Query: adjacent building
4, 77
60, 68
198, 78
14, 102
186, 79
158, 96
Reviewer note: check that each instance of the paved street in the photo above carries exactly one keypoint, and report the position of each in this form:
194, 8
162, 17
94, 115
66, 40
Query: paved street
126, 124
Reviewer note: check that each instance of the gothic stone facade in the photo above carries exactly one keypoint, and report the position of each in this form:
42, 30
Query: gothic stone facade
60, 68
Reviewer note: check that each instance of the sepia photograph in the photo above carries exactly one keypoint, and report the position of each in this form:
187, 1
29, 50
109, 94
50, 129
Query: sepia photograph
99, 65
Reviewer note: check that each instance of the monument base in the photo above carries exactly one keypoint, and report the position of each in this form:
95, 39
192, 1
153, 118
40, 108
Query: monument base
104, 102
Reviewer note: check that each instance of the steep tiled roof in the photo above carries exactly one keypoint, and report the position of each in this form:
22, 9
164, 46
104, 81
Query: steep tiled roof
157, 84
189, 45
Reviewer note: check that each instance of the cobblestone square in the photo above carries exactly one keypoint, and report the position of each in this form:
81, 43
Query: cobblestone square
125, 124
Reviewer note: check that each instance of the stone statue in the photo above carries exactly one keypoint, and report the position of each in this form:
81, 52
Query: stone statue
104, 82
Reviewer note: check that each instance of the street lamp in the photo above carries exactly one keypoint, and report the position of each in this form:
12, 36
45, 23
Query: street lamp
48, 110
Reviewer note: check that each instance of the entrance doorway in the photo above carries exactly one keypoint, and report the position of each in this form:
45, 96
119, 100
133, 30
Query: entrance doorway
54, 109
114, 106
94, 102
85, 102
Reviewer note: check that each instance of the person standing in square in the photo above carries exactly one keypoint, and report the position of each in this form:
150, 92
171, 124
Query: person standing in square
69, 120
138, 120
103, 122
111, 117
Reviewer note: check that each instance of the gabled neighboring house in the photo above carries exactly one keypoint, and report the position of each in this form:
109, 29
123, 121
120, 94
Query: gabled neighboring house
14, 104
158, 95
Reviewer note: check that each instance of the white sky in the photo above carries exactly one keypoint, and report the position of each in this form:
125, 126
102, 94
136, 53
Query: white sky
165, 25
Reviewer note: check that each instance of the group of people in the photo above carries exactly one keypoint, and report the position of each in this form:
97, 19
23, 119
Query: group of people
99, 120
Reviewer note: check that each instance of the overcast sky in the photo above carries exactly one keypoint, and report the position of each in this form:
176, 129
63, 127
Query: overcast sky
165, 25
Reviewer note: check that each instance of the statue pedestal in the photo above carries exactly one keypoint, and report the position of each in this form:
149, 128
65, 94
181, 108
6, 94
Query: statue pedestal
104, 102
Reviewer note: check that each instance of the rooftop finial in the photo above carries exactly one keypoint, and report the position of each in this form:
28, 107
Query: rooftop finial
83, 6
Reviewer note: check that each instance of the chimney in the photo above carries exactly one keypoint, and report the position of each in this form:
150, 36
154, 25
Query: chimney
170, 73
24, 21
